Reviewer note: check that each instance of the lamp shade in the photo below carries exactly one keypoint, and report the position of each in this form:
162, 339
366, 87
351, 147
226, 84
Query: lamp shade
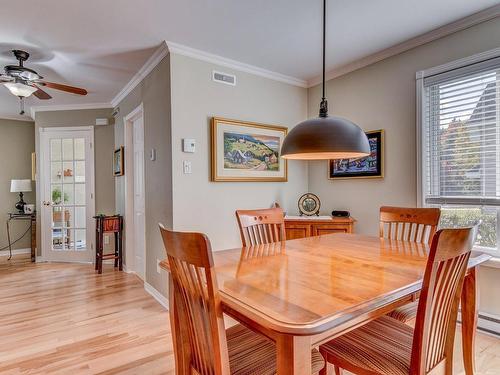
20, 186
325, 138
20, 89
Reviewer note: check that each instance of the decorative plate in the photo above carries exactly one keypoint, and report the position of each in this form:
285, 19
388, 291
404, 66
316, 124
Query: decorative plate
309, 204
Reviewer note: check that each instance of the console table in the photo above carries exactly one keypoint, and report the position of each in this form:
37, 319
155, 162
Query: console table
27, 217
307, 226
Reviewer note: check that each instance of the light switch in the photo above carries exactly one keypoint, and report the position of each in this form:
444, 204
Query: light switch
152, 155
187, 167
189, 145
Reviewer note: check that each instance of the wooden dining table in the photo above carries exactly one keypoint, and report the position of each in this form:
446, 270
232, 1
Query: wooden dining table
302, 293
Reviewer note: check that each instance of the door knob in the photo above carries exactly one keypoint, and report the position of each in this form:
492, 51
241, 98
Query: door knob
46, 203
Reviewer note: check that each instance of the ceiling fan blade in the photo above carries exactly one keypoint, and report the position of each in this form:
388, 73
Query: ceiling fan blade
4, 78
40, 94
58, 86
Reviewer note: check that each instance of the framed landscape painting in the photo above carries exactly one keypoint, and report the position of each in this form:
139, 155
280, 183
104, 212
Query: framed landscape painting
246, 151
371, 166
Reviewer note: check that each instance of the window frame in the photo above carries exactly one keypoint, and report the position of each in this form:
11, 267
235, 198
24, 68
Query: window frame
421, 135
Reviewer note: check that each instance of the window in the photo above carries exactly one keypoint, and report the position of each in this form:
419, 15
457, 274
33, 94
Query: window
460, 147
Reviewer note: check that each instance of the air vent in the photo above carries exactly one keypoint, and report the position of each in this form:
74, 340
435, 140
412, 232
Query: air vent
225, 78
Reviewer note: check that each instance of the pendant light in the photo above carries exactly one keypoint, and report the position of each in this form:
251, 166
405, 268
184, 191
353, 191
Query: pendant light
325, 137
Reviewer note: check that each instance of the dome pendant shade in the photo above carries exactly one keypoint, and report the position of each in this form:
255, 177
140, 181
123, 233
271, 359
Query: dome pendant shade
325, 138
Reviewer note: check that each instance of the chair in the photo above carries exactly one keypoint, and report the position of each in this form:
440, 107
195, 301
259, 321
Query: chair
387, 346
259, 227
408, 224
201, 343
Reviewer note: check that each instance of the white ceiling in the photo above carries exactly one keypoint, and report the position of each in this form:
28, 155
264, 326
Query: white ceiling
101, 44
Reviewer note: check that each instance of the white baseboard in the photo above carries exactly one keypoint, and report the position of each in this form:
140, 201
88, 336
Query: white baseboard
489, 323
156, 295
5, 253
486, 323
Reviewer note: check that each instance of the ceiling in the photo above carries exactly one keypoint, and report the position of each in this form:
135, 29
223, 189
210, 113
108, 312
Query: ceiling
100, 45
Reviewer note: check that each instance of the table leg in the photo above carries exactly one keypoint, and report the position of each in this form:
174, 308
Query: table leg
469, 320
8, 239
293, 355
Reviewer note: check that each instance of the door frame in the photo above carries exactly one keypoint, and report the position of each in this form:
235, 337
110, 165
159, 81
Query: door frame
129, 225
42, 178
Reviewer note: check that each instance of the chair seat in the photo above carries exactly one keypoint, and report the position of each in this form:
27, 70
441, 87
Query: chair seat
405, 313
381, 347
253, 354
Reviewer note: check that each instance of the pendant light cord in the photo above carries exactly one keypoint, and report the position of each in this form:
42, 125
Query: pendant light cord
323, 107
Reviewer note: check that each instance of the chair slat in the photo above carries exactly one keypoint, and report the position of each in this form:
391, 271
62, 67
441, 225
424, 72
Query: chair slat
259, 227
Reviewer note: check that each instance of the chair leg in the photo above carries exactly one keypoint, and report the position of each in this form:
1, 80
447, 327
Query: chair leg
338, 370
116, 249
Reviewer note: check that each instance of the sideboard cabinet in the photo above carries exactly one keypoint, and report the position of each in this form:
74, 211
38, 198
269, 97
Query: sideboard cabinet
307, 226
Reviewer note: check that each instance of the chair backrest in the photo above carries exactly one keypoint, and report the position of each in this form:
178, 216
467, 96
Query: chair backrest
409, 224
438, 305
197, 301
259, 227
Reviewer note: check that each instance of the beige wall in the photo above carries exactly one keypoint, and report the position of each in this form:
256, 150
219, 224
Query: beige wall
17, 142
382, 96
154, 93
104, 146
205, 206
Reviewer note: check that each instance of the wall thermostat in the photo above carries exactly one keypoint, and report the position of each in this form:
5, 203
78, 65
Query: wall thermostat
188, 145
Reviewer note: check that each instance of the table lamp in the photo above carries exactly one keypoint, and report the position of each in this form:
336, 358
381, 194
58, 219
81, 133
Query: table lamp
20, 186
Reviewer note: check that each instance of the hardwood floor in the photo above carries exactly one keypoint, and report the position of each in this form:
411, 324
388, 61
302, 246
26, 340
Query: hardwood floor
65, 319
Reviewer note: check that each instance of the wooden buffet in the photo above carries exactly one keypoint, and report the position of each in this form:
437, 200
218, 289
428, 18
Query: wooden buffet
308, 226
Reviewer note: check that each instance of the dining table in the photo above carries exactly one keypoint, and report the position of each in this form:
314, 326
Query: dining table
304, 292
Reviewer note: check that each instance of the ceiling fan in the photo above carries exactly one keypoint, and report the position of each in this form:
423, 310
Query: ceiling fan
23, 82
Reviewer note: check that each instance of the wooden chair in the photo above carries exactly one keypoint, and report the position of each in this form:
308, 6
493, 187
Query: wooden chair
387, 346
259, 227
408, 224
201, 343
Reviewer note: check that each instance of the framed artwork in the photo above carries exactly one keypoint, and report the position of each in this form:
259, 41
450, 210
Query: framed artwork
371, 166
118, 164
246, 151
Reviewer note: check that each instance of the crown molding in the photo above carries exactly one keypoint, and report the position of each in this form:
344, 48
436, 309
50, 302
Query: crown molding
15, 118
68, 107
450, 28
148, 66
233, 64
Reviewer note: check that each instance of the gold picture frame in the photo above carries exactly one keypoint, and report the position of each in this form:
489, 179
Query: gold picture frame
244, 151
377, 139
118, 162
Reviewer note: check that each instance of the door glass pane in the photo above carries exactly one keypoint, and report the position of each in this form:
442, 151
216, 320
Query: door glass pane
67, 149
68, 171
57, 217
69, 219
80, 220
55, 149
79, 149
55, 171
80, 239
69, 243
80, 194
68, 194
56, 194
79, 171
57, 239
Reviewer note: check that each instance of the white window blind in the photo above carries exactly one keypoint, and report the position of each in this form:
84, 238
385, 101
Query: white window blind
461, 147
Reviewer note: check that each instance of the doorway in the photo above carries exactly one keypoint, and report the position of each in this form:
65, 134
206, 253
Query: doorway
135, 206
67, 194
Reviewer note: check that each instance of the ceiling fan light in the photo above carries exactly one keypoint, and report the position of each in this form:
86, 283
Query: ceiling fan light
20, 89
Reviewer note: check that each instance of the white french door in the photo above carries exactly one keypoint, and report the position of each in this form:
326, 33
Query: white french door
67, 194
139, 198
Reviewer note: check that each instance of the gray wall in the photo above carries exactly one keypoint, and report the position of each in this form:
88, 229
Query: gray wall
382, 96
209, 207
104, 146
154, 93
17, 142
